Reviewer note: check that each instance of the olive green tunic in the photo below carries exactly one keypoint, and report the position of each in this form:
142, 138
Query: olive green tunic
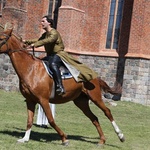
54, 45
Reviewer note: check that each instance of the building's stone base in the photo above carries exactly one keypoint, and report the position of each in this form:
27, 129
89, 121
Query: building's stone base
132, 73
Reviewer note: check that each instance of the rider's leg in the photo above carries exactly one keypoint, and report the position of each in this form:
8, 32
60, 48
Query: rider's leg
54, 66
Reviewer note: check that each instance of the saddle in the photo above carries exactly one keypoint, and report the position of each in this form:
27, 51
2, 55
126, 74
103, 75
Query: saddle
65, 73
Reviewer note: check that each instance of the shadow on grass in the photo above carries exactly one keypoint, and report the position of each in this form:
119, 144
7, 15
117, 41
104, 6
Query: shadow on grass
41, 137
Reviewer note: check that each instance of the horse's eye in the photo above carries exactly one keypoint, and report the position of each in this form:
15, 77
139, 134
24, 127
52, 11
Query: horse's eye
1, 38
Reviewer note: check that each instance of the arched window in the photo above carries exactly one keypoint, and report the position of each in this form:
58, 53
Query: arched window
2, 4
115, 16
53, 10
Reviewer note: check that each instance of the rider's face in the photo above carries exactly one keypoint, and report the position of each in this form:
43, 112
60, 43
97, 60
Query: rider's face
45, 24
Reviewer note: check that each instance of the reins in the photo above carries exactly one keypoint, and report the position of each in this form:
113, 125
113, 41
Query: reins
4, 41
33, 50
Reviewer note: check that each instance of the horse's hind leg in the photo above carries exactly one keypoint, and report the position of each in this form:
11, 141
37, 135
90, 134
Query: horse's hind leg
82, 102
96, 97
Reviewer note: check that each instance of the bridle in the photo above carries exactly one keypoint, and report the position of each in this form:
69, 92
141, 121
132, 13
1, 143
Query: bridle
4, 41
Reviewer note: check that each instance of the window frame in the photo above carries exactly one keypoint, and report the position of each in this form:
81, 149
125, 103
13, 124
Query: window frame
2, 5
52, 8
113, 30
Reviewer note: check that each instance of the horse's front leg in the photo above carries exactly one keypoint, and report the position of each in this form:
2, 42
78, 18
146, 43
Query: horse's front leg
30, 111
48, 113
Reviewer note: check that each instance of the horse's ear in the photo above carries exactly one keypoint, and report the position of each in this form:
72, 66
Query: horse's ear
8, 28
1, 28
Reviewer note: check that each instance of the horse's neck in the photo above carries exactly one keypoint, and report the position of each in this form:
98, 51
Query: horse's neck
22, 63
15, 43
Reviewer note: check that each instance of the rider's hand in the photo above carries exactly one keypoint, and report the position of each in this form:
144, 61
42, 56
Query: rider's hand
32, 45
24, 41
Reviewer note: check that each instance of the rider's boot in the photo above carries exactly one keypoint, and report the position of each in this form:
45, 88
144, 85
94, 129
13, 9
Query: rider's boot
57, 78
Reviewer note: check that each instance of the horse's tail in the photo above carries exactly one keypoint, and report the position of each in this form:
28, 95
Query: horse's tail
104, 86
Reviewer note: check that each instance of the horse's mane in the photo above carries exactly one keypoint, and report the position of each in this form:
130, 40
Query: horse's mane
17, 36
25, 51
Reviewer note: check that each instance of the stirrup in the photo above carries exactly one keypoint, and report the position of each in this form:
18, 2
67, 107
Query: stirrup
60, 90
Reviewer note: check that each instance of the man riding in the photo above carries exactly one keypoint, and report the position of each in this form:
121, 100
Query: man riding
54, 47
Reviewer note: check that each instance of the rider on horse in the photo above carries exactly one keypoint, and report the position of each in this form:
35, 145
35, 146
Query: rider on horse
54, 47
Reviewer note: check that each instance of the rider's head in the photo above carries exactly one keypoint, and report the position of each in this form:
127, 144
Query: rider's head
50, 20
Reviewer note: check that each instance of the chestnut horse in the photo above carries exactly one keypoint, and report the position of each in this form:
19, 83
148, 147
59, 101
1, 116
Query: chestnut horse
36, 86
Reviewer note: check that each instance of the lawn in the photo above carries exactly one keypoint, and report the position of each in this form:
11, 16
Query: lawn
133, 119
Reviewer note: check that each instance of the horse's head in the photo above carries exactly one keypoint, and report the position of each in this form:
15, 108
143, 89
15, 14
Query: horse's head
9, 42
4, 40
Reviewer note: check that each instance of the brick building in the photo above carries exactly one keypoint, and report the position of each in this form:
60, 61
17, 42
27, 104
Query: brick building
110, 36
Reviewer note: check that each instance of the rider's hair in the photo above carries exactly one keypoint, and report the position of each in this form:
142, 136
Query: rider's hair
50, 20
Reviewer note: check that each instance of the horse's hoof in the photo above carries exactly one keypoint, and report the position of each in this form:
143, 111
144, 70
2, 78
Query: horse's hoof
122, 139
21, 141
65, 143
100, 145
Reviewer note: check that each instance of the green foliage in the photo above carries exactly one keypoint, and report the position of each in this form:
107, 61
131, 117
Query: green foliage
133, 119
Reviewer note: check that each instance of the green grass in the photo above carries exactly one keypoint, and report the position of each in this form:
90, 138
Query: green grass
133, 119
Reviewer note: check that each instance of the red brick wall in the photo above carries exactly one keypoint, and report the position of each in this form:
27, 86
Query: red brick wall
15, 12
84, 26
25, 16
35, 11
139, 44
